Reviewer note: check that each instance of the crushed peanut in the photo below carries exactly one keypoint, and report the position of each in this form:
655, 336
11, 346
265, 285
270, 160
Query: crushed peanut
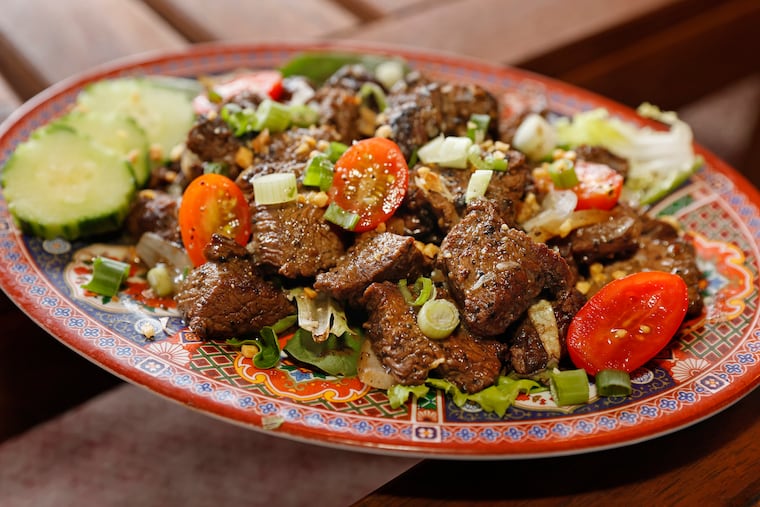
309, 292
244, 157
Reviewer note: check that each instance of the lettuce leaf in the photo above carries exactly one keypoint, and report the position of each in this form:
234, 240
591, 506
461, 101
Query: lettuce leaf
659, 161
335, 356
398, 394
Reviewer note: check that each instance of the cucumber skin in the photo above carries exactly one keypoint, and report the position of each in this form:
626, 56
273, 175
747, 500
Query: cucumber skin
109, 221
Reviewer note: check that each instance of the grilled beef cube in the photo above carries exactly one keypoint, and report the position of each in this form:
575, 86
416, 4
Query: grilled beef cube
419, 109
228, 296
601, 155
211, 140
496, 272
471, 363
294, 240
396, 339
660, 248
154, 211
283, 152
374, 258
442, 191
615, 237
527, 348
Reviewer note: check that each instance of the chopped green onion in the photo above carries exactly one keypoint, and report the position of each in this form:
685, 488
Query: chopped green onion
438, 318
423, 287
107, 276
302, 115
215, 168
477, 126
613, 383
284, 323
335, 150
275, 188
446, 151
413, 158
562, 173
535, 137
375, 92
487, 162
241, 121
319, 173
273, 116
160, 280
569, 387
478, 184
341, 217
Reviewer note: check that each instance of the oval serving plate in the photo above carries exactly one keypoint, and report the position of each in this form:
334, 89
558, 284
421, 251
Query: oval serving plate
712, 364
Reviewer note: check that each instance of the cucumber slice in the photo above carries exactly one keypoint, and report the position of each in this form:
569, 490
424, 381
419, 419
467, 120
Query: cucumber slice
165, 112
60, 183
118, 132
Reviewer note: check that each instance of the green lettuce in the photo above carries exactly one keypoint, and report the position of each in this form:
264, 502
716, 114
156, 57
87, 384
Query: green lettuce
335, 356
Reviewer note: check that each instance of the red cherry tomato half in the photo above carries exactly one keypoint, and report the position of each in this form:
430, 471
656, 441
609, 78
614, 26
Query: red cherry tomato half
267, 83
599, 186
370, 179
627, 322
212, 203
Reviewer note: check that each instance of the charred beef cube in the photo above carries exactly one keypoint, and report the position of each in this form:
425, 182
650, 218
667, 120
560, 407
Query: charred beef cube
339, 108
659, 248
283, 152
396, 339
294, 240
374, 258
615, 237
419, 109
211, 140
495, 272
531, 346
471, 363
228, 296
154, 211
442, 191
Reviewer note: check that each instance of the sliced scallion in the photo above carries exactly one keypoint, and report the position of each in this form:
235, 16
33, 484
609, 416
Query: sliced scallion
562, 173
423, 290
273, 116
160, 280
375, 92
477, 126
486, 162
478, 185
334, 150
569, 387
319, 173
613, 383
302, 115
107, 276
341, 217
438, 318
275, 188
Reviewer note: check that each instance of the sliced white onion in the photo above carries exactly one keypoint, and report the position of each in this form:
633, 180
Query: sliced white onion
535, 137
555, 208
370, 370
152, 249
541, 315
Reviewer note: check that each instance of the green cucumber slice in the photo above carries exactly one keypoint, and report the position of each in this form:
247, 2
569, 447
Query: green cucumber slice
60, 183
165, 112
118, 132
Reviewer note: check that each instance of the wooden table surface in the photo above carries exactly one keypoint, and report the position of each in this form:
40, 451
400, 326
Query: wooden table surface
672, 53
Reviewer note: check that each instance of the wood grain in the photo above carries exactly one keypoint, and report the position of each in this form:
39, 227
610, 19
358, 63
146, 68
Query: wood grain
255, 21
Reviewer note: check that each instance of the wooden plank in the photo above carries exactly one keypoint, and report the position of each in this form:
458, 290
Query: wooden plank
506, 31
386, 7
696, 47
264, 20
75, 35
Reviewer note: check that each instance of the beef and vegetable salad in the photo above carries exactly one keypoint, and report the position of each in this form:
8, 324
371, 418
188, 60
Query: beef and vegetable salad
417, 233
